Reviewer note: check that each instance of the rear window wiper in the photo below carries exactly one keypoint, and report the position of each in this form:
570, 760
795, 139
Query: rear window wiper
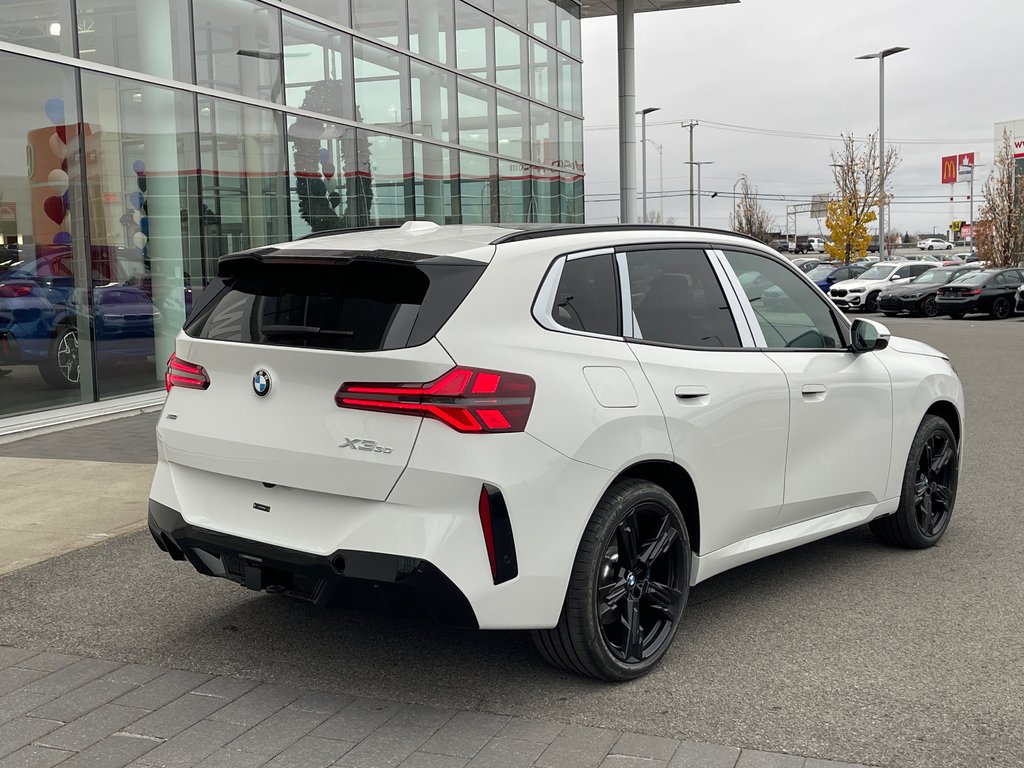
302, 330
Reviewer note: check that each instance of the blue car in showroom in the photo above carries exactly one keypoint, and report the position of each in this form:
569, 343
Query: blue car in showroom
40, 307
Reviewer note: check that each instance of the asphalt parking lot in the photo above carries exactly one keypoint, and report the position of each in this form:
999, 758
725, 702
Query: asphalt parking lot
842, 649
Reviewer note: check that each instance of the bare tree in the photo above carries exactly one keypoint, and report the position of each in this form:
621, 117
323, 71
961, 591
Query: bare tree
749, 216
858, 194
1001, 241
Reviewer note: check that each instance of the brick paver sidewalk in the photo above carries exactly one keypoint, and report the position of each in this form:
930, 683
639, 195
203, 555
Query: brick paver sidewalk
76, 711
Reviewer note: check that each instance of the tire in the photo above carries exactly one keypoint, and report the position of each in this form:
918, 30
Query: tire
1001, 308
931, 247
871, 302
929, 308
612, 594
61, 370
929, 489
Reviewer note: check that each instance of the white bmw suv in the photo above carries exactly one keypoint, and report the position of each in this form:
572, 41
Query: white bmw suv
559, 430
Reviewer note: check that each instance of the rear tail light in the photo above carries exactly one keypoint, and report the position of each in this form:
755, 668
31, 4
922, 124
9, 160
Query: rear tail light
466, 399
975, 292
14, 291
181, 373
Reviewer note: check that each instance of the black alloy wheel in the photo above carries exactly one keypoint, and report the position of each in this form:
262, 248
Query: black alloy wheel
871, 302
929, 489
1001, 308
628, 588
929, 308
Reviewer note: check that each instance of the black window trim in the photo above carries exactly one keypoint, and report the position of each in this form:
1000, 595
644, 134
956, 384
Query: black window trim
543, 300
842, 323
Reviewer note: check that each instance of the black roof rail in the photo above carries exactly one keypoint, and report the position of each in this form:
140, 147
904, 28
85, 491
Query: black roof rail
532, 232
326, 232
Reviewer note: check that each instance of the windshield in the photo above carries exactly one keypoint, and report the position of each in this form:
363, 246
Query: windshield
878, 272
933, 277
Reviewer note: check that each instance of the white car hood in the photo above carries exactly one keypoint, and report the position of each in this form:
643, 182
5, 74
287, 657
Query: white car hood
912, 347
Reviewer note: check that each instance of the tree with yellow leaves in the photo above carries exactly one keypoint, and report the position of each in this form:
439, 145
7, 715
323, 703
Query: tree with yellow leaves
858, 193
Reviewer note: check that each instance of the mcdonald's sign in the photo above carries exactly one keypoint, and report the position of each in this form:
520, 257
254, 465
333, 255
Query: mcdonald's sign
949, 169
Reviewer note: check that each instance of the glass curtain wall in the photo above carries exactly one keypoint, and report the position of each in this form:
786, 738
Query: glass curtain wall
150, 137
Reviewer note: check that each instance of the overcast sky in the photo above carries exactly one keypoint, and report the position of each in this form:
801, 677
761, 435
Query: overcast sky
789, 66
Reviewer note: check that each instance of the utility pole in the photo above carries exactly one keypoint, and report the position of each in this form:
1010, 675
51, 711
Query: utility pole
691, 125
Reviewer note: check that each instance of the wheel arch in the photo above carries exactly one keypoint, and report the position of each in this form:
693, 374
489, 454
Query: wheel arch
948, 412
678, 484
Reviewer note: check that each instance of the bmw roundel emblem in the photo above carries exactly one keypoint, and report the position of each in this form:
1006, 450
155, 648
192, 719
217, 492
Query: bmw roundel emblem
261, 383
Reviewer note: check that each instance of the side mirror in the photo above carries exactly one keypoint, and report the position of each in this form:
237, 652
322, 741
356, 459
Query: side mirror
869, 336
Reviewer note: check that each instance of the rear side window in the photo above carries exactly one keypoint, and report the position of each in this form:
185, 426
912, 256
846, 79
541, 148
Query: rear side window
587, 297
677, 299
338, 304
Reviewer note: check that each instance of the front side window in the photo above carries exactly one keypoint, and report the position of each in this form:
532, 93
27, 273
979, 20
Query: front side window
791, 314
878, 272
587, 297
677, 299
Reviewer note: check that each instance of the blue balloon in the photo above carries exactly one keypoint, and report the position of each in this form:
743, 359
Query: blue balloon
66, 197
135, 199
144, 225
62, 238
139, 167
324, 155
54, 109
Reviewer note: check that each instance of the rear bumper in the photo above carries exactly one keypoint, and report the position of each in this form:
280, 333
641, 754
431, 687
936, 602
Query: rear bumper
957, 305
346, 577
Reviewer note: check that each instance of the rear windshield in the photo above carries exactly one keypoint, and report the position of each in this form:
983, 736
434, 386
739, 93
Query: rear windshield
974, 278
355, 304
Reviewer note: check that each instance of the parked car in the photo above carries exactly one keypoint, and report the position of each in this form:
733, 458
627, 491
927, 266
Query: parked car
42, 313
918, 296
480, 417
826, 274
783, 246
806, 264
863, 291
986, 290
1019, 304
816, 244
934, 243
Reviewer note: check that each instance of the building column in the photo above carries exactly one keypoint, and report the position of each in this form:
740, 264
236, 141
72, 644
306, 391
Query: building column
627, 112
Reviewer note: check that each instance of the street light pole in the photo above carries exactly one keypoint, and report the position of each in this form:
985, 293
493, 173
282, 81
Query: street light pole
661, 179
736, 184
691, 125
699, 163
643, 154
881, 56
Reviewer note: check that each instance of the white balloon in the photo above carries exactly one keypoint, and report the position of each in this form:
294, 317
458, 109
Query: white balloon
140, 240
137, 217
58, 179
59, 147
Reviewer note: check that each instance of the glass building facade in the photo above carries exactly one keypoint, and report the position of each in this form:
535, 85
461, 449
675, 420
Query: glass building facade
143, 139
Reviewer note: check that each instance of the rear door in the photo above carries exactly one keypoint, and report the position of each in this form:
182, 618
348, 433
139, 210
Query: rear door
276, 338
726, 405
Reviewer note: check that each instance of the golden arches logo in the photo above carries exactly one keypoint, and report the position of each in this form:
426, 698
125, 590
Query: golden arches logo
949, 169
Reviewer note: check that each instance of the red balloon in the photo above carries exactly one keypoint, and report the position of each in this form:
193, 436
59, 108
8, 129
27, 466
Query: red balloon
54, 207
62, 131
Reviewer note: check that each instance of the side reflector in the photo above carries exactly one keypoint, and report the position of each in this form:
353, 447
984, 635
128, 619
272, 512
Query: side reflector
466, 399
498, 539
181, 373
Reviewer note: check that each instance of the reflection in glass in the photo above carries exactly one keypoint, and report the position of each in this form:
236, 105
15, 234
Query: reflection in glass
335, 11
244, 178
513, 126
238, 47
383, 19
44, 270
142, 234
570, 84
42, 24
150, 36
431, 29
512, 11
432, 94
515, 192
544, 132
474, 36
542, 18
567, 16
392, 189
476, 111
330, 168
478, 189
435, 184
380, 98
315, 56
509, 57
543, 79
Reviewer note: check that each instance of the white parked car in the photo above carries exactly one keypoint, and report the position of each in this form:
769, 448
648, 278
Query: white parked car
863, 292
816, 244
537, 429
934, 243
